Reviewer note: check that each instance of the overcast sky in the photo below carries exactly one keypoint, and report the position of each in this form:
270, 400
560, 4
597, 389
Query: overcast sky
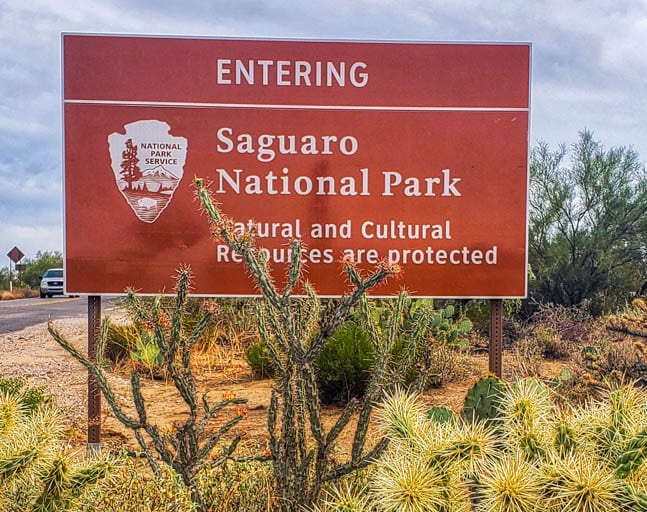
589, 70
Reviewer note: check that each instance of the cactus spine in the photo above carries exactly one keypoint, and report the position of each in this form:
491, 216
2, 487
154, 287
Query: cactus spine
36, 473
633, 455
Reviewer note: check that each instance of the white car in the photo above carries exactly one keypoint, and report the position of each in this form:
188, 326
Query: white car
52, 283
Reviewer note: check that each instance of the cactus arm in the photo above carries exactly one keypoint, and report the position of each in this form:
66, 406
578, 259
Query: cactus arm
344, 469
294, 270
97, 372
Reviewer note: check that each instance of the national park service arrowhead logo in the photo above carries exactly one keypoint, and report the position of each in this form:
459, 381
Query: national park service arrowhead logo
148, 164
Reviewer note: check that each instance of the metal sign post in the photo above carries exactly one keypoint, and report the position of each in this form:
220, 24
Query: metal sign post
15, 255
496, 337
94, 393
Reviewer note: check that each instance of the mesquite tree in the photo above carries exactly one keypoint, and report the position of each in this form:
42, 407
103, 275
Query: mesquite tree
588, 225
295, 330
187, 446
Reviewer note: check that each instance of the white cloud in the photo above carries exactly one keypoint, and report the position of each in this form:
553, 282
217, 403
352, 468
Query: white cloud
30, 238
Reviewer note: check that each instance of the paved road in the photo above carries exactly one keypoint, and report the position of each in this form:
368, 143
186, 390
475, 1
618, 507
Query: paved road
21, 313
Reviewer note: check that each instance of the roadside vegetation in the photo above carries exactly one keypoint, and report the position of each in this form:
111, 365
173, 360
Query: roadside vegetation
386, 405
25, 284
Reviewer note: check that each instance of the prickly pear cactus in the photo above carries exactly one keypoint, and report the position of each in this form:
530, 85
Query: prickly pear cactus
632, 456
483, 399
441, 415
446, 329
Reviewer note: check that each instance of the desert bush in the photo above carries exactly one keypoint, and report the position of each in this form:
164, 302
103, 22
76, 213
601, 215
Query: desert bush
526, 359
613, 360
447, 365
239, 487
231, 322
18, 293
234, 487
538, 456
574, 324
259, 360
551, 343
229, 330
134, 488
344, 365
120, 340
234, 325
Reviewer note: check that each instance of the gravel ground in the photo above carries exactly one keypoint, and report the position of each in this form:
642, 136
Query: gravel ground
33, 354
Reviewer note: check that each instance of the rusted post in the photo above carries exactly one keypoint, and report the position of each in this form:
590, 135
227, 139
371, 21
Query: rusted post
94, 393
496, 337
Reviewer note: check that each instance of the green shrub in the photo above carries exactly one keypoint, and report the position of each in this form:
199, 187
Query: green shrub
344, 365
259, 360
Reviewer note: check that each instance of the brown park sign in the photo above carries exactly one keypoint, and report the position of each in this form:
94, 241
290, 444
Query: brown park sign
411, 153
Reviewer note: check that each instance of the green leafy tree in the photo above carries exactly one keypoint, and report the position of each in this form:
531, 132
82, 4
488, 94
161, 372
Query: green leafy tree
37, 266
588, 224
4, 278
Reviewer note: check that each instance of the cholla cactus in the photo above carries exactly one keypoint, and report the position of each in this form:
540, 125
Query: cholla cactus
401, 416
295, 331
36, 473
510, 484
406, 482
581, 459
632, 321
581, 483
525, 410
345, 498
466, 446
191, 445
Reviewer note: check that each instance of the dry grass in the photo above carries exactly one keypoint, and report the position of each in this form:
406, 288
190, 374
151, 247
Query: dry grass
18, 293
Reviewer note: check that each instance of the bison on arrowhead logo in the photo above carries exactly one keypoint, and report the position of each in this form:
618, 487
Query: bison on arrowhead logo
148, 164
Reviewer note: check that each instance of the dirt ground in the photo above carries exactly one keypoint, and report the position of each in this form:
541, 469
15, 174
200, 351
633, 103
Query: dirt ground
33, 354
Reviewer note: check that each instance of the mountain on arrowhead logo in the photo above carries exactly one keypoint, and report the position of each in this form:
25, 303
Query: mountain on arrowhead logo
148, 164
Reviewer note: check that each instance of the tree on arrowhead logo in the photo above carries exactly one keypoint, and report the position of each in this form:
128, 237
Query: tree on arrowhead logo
148, 164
